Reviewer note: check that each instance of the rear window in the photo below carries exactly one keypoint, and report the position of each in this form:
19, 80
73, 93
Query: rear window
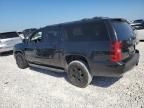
8, 35
87, 32
123, 30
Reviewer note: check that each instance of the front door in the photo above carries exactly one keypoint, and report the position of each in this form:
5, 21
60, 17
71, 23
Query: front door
31, 48
48, 51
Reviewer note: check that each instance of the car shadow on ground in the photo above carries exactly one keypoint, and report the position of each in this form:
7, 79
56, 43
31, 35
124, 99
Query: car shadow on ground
103, 82
6, 53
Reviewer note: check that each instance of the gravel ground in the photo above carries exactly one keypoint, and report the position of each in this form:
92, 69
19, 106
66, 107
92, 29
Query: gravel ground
37, 88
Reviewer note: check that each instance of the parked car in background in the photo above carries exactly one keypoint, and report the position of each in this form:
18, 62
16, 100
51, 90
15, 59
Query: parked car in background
8, 40
138, 25
140, 33
139, 22
85, 48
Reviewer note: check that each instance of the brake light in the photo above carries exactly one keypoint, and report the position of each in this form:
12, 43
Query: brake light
116, 54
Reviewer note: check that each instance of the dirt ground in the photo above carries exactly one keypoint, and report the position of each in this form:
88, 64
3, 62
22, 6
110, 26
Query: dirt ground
37, 88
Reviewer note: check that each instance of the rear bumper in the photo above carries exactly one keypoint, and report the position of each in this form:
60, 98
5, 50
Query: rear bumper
115, 69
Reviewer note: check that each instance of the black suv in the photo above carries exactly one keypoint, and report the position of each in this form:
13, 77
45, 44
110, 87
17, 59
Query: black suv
85, 48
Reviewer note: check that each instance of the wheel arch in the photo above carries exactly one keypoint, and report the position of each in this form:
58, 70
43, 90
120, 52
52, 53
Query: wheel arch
72, 57
18, 51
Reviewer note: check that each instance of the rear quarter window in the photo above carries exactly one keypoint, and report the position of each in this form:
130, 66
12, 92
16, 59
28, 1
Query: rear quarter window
87, 32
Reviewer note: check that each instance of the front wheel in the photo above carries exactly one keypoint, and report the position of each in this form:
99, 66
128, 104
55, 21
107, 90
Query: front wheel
21, 62
78, 74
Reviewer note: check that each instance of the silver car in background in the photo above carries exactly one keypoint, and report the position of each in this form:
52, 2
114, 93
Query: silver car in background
8, 40
139, 28
140, 34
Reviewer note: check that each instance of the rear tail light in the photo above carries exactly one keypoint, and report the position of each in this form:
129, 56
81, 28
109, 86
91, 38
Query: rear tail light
116, 54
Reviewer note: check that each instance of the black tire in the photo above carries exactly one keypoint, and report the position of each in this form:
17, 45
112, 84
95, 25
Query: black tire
78, 74
20, 60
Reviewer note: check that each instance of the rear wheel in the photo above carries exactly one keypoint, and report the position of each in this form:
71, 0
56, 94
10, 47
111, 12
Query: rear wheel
21, 62
78, 74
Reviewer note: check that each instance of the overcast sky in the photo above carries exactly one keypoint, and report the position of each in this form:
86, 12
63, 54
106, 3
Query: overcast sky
22, 14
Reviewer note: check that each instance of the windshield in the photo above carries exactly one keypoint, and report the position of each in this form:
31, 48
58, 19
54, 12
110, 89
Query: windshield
123, 30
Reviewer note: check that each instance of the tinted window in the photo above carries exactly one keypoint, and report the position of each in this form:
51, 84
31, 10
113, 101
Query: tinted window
138, 21
8, 35
123, 30
87, 32
50, 35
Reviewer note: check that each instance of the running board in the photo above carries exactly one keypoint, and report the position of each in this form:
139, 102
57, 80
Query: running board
46, 68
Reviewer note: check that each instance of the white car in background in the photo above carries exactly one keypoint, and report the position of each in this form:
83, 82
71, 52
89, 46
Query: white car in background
139, 28
139, 31
140, 34
8, 40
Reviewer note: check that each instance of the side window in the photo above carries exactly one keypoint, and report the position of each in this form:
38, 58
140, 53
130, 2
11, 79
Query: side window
73, 33
87, 32
96, 31
36, 37
51, 36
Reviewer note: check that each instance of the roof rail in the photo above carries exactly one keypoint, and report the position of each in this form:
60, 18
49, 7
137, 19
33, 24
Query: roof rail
100, 17
85, 19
